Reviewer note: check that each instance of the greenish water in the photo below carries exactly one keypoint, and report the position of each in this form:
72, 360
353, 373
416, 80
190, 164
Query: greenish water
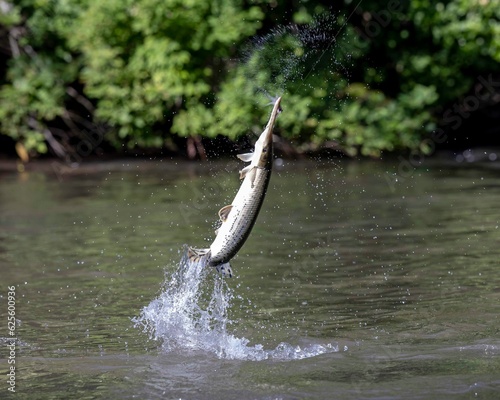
351, 285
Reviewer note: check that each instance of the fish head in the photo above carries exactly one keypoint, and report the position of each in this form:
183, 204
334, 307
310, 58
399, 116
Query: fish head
264, 145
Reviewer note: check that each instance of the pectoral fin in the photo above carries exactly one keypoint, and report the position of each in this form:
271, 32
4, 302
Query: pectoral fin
247, 157
244, 171
224, 212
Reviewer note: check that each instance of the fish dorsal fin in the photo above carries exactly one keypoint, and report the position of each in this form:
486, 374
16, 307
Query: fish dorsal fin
224, 212
245, 170
247, 157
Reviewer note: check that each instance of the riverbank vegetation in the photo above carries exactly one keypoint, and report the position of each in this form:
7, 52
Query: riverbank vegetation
364, 78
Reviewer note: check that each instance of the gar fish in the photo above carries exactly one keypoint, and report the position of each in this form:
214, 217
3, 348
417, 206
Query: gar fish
239, 217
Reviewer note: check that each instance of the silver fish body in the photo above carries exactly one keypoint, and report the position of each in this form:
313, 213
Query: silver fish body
239, 217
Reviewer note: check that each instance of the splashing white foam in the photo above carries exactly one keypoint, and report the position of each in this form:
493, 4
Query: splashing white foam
191, 314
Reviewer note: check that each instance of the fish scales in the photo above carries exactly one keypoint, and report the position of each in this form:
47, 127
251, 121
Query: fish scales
241, 219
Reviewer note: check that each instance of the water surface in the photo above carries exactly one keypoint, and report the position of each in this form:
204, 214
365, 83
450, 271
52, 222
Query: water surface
355, 283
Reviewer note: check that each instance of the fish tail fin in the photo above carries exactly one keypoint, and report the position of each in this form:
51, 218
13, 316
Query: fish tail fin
197, 255
203, 255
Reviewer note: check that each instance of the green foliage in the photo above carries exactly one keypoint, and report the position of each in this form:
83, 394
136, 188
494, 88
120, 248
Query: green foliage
151, 70
140, 62
374, 123
155, 59
321, 105
463, 38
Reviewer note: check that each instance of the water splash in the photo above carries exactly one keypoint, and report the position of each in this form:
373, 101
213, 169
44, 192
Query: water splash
190, 314
296, 57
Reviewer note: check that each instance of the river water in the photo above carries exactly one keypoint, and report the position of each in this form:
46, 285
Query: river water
360, 280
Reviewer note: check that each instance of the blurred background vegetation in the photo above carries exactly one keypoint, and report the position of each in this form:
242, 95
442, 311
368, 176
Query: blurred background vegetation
82, 77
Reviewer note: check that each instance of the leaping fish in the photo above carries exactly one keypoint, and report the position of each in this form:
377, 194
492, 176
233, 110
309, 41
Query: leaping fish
239, 217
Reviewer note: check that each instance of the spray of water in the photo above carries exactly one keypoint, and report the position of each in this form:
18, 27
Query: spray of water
191, 314
299, 58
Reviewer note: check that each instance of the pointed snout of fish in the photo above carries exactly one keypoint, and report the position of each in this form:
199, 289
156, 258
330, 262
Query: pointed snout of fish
276, 110
277, 106
268, 139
